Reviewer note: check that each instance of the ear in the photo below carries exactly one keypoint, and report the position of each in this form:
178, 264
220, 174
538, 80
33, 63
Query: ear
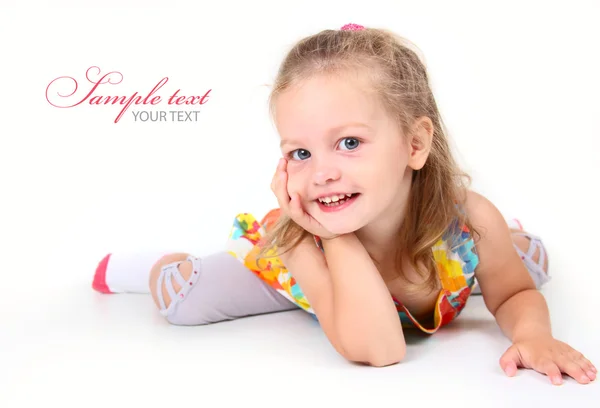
419, 142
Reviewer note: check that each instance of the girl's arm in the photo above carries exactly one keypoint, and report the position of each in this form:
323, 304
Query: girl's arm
520, 310
353, 305
365, 316
507, 288
308, 267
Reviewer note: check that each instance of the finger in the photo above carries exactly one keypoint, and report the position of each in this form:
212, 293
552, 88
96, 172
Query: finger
592, 367
510, 368
587, 366
276, 175
510, 361
577, 358
280, 188
296, 210
589, 372
552, 371
281, 164
572, 368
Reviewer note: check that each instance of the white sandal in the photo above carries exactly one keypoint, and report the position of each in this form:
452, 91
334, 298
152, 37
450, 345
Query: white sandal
172, 270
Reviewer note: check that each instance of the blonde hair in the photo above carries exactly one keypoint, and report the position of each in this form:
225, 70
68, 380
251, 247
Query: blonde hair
401, 82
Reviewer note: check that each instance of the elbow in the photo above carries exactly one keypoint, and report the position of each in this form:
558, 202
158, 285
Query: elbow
376, 348
389, 359
380, 358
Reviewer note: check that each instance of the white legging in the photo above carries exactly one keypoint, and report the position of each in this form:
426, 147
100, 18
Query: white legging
223, 289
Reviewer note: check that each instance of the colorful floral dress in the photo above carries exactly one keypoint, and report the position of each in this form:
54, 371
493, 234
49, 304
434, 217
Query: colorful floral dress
454, 255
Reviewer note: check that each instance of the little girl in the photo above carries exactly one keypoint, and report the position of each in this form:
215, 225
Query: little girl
375, 233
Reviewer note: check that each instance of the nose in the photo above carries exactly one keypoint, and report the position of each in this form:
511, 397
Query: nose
324, 173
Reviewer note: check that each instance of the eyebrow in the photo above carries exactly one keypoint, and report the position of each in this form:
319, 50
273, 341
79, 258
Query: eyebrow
333, 130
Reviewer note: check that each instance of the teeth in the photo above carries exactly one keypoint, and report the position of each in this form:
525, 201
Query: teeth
334, 198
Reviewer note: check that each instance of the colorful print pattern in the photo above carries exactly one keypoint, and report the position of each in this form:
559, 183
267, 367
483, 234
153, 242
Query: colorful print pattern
454, 255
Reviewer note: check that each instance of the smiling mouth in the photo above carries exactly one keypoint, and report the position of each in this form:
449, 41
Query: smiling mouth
336, 200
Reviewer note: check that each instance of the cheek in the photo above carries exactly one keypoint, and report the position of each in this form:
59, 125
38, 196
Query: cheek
394, 160
384, 177
388, 167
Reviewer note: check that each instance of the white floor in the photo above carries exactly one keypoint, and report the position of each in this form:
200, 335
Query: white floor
65, 344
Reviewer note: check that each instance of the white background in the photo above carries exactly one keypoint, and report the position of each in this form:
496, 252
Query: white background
517, 83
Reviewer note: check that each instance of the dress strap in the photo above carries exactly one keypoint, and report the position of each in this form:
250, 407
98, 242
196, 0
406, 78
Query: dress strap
318, 242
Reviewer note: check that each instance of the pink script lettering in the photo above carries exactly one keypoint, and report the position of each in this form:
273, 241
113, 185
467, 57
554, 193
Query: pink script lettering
69, 99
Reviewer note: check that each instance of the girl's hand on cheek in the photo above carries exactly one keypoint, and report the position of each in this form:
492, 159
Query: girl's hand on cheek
291, 205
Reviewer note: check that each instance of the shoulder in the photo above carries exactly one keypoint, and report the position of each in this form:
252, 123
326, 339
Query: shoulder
485, 217
479, 208
500, 272
493, 235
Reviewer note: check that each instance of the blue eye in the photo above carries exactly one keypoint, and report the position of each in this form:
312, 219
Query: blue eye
305, 154
350, 143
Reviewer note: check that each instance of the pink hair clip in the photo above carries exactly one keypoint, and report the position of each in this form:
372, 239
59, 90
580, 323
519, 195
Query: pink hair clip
352, 27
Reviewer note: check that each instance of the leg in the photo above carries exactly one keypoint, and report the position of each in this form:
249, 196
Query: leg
197, 291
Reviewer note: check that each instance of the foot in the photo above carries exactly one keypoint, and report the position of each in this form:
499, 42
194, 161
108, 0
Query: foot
524, 243
99, 282
125, 272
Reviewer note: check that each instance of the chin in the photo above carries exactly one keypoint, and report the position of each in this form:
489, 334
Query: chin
341, 226
343, 222
340, 230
